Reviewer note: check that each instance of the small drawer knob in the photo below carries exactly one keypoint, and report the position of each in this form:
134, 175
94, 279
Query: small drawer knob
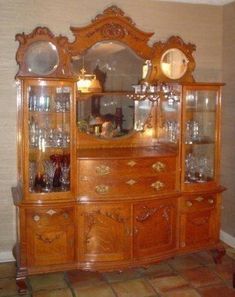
158, 185
159, 166
102, 189
36, 218
131, 182
66, 216
131, 163
211, 201
199, 199
189, 203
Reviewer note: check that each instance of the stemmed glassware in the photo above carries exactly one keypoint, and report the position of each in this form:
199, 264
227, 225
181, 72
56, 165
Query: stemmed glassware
198, 168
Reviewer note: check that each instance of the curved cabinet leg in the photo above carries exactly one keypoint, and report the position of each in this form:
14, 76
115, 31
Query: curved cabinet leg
218, 254
21, 283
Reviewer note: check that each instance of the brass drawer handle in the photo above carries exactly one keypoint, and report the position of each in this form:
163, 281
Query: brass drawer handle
158, 185
36, 218
211, 201
102, 189
199, 199
189, 203
131, 182
102, 170
159, 166
131, 163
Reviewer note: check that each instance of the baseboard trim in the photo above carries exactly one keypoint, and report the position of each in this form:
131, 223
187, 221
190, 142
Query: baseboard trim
227, 238
6, 257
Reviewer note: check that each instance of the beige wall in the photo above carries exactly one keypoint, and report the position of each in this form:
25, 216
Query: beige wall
199, 24
228, 127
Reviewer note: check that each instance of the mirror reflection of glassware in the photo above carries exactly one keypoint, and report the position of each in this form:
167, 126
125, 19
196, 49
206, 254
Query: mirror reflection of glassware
171, 129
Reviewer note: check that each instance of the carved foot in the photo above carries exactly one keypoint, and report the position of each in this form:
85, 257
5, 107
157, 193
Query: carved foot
21, 281
218, 254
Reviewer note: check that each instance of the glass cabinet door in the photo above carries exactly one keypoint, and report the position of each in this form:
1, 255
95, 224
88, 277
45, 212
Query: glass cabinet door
49, 134
200, 134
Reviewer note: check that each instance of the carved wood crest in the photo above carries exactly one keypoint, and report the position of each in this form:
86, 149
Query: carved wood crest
111, 25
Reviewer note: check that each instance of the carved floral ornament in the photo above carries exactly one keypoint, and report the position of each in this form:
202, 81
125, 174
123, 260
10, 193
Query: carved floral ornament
111, 25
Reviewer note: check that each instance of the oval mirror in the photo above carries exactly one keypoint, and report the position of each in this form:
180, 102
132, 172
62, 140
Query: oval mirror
42, 58
174, 63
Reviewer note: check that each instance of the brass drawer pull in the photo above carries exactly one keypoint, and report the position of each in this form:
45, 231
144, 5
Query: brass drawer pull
36, 218
102, 170
102, 189
189, 203
211, 201
159, 166
158, 185
199, 199
131, 182
131, 163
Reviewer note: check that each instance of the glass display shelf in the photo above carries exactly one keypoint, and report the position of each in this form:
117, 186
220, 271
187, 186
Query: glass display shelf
49, 137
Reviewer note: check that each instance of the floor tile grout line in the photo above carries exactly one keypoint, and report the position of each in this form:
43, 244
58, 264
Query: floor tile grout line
148, 281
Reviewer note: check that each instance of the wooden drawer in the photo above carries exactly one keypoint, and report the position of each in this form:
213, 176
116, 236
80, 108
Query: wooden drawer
50, 216
192, 203
125, 187
126, 167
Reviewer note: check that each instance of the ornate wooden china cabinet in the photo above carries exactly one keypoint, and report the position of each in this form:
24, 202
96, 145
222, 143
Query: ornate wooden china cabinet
118, 150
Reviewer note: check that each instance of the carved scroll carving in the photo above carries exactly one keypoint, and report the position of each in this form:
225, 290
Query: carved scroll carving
97, 217
48, 239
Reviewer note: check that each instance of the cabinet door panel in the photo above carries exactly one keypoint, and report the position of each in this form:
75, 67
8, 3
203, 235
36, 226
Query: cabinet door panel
154, 227
198, 229
50, 245
104, 233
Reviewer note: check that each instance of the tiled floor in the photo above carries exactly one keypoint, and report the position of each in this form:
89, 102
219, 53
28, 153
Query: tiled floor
193, 275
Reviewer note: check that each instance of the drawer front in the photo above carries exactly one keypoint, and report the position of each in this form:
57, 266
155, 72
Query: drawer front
192, 203
127, 167
50, 216
125, 187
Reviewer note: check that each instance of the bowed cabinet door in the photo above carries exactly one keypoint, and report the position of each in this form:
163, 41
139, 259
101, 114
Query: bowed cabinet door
155, 227
50, 236
199, 221
104, 232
